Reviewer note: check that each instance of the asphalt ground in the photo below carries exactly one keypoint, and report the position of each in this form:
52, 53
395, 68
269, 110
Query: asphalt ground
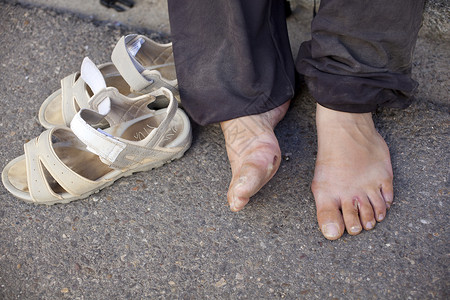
168, 233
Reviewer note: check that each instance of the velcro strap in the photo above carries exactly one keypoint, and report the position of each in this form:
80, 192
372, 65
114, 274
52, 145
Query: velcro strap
97, 141
128, 66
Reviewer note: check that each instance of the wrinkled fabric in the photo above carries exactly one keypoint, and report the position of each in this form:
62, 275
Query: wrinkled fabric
233, 57
360, 54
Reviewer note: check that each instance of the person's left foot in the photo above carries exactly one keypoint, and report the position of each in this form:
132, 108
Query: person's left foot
352, 182
253, 152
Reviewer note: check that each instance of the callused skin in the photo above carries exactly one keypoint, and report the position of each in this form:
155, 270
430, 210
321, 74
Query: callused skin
352, 183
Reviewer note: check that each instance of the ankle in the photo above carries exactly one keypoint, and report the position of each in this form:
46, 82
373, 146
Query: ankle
326, 116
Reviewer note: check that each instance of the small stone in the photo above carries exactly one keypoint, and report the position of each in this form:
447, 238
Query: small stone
77, 267
220, 283
423, 221
64, 290
19, 266
239, 276
171, 283
64, 236
286, 156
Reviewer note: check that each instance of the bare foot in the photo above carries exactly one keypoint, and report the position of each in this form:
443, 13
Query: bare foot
352, 182
253, 152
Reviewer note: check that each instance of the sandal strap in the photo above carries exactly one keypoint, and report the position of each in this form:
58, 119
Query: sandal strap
39, 153
73, 93
38, 186
116, 152
97, 141
123, 57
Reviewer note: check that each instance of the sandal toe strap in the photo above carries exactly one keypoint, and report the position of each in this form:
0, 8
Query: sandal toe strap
40, 155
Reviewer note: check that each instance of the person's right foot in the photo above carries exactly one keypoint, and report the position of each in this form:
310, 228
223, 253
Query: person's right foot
352, 183
253, 152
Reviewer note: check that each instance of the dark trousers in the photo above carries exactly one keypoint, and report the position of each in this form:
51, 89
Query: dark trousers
233, 57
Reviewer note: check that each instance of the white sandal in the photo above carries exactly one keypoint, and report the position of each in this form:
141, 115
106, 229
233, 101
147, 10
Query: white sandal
66, 164
132, 53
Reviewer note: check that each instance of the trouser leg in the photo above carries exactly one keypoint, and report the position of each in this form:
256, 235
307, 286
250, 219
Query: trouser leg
360, 54
232, 57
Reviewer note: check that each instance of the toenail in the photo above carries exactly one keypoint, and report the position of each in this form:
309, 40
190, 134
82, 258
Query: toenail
369, 225
330, 230
380, 217
355, 229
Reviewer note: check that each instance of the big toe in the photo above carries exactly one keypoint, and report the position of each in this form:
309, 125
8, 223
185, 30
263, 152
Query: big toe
250, 177
330, 219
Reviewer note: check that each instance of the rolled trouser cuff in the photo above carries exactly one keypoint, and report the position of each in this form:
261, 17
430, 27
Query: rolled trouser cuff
360, 54
355, 93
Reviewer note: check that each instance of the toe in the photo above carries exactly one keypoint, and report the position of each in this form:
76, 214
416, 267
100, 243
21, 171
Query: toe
236, 198
330, 218
251, 177
366, 213
387, 192
378, 205
237, 203
350, 213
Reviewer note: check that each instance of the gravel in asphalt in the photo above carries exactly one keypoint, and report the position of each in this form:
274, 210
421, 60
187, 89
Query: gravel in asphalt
168, 233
